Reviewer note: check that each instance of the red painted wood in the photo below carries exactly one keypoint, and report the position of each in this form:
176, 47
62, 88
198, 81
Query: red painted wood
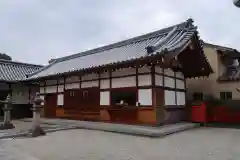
83, 105
50, 105
226, 115
199, 113
123, 115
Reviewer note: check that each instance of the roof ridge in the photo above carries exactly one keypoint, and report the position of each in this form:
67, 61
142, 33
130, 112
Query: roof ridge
19, 63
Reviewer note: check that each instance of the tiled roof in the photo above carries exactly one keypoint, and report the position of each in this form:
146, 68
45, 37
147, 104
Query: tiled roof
226, 51
219, 47
16, 71
169, 40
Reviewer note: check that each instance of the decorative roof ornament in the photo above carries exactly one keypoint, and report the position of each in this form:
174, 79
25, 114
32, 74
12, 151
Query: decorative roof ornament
236, 3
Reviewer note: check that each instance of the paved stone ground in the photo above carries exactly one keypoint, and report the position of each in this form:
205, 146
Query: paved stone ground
197, 144
22, 127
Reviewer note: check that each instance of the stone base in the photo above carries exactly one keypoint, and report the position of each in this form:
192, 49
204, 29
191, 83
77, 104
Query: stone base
6, 126
36, 131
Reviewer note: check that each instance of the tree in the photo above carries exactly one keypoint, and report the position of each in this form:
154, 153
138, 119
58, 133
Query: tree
5, 56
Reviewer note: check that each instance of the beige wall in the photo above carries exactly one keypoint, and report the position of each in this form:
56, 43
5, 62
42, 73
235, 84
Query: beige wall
209, 85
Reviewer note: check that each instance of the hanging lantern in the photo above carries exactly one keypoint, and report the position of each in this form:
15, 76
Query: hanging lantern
236, 3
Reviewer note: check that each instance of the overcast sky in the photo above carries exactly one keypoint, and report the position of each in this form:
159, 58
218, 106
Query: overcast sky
35, 31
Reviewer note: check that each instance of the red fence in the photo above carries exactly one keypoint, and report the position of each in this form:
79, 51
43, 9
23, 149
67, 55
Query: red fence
199, 113
203, 113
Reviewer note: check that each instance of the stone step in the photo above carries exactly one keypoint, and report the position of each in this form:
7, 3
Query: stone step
148, 131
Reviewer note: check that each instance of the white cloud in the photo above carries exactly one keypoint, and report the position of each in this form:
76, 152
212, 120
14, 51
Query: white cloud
41, 30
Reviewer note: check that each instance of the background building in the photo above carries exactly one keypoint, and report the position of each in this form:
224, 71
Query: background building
224, 82
11, 74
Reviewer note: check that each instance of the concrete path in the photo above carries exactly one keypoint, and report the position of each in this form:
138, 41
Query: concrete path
122, 128
197, 144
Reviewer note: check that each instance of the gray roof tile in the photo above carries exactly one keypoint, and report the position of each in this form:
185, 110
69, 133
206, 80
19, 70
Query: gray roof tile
16, 71
171, 39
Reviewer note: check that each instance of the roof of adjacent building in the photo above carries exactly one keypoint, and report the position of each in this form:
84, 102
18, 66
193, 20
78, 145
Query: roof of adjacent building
171, 40
224, 50
228, 56
11, 71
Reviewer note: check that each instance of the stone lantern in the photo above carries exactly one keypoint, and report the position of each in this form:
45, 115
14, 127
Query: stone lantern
36, 129
7, 113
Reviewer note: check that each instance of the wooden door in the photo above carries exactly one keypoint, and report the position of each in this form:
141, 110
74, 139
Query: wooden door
50, 105
70, 99
89, 99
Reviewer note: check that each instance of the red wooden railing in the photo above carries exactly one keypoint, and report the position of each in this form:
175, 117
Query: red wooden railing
223, 114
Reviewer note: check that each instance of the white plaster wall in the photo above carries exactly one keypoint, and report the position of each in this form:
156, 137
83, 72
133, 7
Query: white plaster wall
72, 79
180, 84
169, 82
51, 82
89, 84
158, 80
90, 76
60, 88
42, 83
169, 97
169, 72
158, 69
145, 96
105, 98
72, 85
51, 89
20, 94
124, 72
105, 83
181, 98
104, 75
60, 98
144, 69
179, 75
124, 82
42, 90
60, 81
144, 80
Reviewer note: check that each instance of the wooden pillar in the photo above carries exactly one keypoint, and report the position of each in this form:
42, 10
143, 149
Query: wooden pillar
175, 81
153, 86
29, 95
10, 89
80, 82
137, 83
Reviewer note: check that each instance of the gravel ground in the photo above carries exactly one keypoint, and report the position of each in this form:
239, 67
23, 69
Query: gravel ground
196, 144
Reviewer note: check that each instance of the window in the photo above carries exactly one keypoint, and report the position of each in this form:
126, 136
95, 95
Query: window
127, 98
225, 95
198, 96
